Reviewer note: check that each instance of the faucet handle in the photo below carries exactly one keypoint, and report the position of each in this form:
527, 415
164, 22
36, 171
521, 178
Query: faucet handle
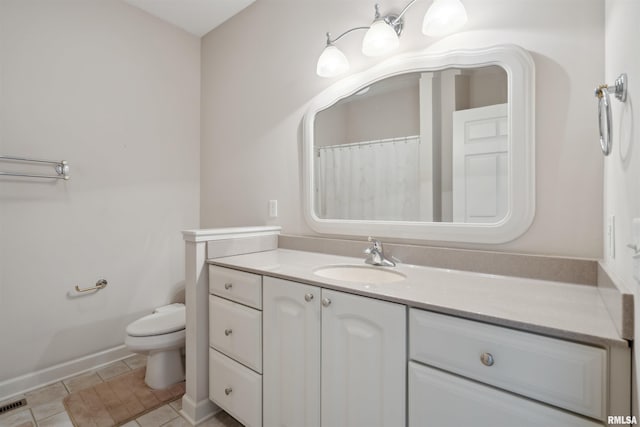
375, 243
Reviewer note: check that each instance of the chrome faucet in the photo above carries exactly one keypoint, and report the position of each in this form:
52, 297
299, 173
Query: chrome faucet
376, 254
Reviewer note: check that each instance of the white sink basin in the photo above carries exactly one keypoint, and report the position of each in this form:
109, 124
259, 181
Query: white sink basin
360, 274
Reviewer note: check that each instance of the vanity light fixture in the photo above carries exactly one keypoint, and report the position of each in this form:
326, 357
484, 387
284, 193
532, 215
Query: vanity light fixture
443, 17
382, 36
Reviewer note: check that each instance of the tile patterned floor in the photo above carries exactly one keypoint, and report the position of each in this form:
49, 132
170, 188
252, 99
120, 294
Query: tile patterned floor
44, 406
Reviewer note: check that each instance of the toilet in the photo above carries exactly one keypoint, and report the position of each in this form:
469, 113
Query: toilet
161, 335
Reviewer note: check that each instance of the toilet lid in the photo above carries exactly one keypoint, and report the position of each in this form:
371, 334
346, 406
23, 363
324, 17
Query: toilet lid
163, 322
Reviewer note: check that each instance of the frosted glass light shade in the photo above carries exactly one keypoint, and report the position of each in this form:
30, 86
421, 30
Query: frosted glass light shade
332, 62
444, 17
379, 39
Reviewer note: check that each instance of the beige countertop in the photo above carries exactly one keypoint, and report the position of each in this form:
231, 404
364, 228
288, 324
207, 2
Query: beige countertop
563, 310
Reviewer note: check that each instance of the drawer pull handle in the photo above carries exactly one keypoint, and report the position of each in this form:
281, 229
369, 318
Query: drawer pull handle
308, 297
228, 286
228, 391
487, 359
228, 332
326, 302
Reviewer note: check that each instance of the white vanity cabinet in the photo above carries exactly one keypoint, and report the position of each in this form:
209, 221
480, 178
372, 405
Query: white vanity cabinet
332, 358
235, 340
288, 354
500, 375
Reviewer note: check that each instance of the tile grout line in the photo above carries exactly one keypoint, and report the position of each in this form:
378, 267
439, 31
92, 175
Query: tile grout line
68, 391
34, 399
67, 385
33, 416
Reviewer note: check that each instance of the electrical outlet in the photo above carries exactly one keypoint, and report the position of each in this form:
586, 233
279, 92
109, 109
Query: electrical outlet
635, 232
611, 236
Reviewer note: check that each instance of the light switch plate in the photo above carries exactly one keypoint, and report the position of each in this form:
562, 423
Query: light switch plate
273, 208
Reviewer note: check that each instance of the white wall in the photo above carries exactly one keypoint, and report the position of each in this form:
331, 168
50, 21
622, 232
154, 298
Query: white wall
488, 86
259, 75
622, 166
331, 126
116, 93
365, 119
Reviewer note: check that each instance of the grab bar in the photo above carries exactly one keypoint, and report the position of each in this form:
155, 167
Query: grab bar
619, 89
61, 168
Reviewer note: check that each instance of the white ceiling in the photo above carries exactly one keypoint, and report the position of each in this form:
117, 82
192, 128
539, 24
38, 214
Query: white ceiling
198, 17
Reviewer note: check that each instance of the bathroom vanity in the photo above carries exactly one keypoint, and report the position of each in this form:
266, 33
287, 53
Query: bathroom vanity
282, 337
291, 347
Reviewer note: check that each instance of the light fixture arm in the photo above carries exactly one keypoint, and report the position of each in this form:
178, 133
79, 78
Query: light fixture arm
331, 41
394, 21
399, 17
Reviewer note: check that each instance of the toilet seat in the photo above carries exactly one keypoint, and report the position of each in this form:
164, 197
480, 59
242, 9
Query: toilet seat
151, 343
161, 336
159, 323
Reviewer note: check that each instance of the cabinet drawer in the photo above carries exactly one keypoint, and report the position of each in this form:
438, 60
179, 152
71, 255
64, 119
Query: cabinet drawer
236, 330
565, 374
447, 400
236, 389
239, 286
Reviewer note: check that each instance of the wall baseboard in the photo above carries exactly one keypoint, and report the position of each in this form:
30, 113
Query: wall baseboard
33, 380
197, 413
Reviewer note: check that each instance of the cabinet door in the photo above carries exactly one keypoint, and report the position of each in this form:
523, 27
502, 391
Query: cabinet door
291, 362
437, 398
363, 361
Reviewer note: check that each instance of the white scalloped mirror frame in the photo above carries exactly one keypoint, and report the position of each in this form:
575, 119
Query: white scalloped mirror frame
521, 158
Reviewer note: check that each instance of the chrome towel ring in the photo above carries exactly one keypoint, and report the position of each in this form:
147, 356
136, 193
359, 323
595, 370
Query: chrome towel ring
619, 89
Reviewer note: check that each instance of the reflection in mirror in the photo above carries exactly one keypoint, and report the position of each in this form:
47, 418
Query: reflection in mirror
422, 146
460, 165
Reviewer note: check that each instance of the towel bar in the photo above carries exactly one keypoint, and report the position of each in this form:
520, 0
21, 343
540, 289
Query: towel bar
61, 167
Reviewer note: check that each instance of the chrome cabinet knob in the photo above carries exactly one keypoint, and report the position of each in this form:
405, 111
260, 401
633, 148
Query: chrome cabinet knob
228, 286
487, 359
326, 302
228, 332
228, 391
308, 297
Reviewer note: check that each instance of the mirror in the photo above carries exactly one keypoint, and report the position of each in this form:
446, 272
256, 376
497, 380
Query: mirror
442, 157
436, 147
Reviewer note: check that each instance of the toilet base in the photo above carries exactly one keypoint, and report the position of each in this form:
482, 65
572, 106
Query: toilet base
164, 368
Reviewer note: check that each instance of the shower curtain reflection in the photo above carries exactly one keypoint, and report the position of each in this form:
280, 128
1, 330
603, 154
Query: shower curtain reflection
371, 180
